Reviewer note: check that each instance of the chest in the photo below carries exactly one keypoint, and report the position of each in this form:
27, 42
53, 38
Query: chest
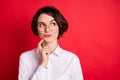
60, 68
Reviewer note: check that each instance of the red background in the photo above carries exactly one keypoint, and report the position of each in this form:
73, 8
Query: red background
94, 35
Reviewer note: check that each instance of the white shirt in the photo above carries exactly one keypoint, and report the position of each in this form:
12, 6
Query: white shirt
62, 65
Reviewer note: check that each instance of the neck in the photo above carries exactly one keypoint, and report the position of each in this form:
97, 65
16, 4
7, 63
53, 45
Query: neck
51, 45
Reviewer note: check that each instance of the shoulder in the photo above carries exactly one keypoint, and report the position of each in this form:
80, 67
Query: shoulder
70, 58
69, 54
30, 53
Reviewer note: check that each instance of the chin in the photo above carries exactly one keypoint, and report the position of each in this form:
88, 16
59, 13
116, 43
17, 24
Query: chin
50, 40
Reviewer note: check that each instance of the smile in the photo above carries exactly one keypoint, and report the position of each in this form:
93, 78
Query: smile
47, 35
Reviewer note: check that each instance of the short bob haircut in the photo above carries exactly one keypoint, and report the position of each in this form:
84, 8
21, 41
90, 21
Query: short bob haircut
53, 12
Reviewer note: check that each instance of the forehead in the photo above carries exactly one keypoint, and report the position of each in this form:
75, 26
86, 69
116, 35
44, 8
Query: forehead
45, 18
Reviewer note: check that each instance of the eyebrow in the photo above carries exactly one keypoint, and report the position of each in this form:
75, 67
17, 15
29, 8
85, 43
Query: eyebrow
50, 21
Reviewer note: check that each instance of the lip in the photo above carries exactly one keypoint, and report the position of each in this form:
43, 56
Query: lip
47, 35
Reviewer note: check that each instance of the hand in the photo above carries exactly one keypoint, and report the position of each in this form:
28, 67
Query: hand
44, 53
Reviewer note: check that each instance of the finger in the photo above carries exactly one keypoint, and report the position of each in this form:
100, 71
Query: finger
40, 44
47, 54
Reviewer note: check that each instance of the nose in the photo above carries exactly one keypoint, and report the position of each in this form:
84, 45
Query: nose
47, 28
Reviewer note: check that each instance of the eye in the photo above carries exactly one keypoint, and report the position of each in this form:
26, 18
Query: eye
41, 25
53, 24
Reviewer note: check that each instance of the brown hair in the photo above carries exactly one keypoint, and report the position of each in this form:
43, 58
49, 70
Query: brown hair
51, 11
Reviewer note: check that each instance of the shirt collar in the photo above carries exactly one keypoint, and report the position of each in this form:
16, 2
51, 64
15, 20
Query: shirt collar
56, 52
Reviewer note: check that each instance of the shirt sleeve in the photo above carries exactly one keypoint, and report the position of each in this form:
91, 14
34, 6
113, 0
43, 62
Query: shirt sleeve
23, 73
40, 73
76, 69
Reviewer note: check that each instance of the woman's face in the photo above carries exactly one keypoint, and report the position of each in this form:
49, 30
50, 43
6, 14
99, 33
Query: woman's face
48, 29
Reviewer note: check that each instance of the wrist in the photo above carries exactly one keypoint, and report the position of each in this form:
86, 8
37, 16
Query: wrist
44, 64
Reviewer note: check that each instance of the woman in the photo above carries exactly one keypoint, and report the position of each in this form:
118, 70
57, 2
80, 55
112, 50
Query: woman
48, 61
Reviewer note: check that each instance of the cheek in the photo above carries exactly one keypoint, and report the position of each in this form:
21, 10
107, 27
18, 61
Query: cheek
40, 34
57, 33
